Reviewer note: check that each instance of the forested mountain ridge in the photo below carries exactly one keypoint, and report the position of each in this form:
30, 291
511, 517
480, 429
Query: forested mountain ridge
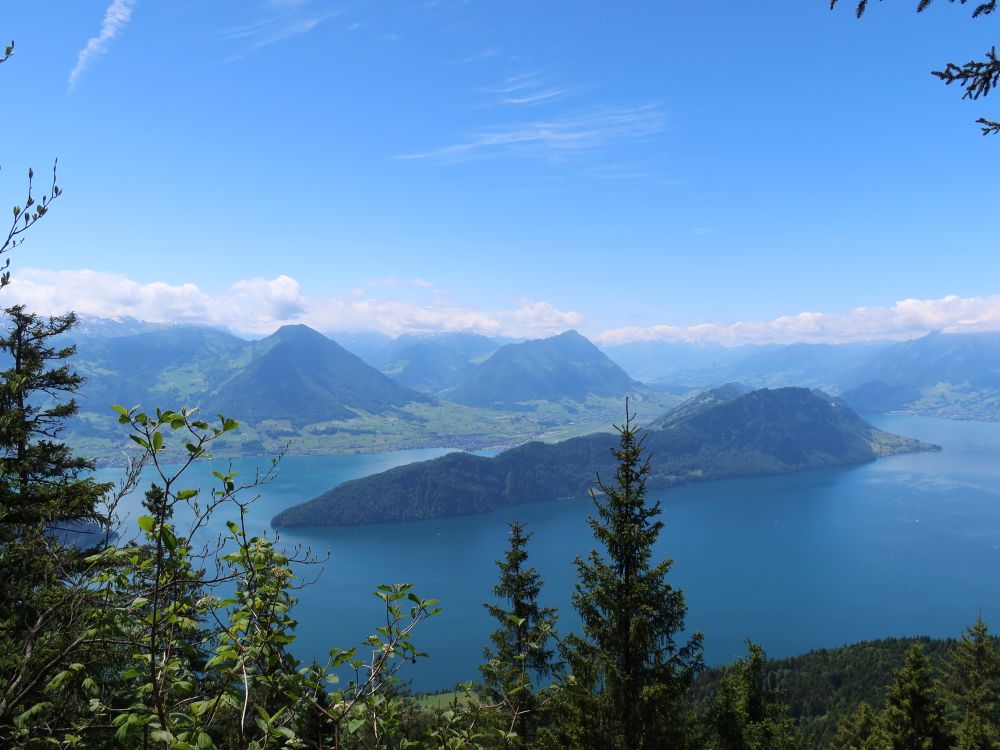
823, 687
762, 432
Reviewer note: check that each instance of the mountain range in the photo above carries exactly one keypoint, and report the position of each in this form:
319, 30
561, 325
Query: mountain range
467, 390
299, 384
724, 433
290, 379
947, 375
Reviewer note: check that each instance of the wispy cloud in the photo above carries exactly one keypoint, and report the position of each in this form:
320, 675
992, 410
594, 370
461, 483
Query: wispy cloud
259, 306
517, 82
527, 89
557, 137
906, 319
486, 54
295, 21
116, 18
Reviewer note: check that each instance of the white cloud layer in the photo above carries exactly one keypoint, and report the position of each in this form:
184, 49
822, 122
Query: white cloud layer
907, 319
257, 307
116, 17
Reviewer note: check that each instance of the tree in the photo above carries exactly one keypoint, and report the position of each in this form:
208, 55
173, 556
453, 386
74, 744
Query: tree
914, 715
749, 713
630, 671
976, 78
970, 681
854, 732
518, 658
41, 480
43, 487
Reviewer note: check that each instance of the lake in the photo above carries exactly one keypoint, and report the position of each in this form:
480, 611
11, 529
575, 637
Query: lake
903, 546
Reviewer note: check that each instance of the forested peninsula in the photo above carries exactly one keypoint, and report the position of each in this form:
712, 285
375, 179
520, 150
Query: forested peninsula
722, 433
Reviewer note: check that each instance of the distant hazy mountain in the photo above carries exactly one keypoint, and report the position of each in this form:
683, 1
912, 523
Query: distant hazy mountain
433, 362
367, 345
948, 375
762, 432
664, 361
91, 325
567, 366
828, 366
951, 375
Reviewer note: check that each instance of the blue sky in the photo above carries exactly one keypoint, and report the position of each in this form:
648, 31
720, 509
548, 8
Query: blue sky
635, 170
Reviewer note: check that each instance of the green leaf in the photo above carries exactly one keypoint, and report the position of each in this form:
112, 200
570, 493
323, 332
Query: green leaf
146, 523
139, 441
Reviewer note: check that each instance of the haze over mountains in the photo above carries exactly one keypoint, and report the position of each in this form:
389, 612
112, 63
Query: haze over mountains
468, 390
948, 375
433, 363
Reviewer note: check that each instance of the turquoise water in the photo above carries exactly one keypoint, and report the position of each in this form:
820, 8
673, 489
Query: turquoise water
906, 545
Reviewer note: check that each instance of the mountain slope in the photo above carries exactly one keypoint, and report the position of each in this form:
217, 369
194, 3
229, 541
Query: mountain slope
697, 404
567, 366
171, 367
763, 432
299, 375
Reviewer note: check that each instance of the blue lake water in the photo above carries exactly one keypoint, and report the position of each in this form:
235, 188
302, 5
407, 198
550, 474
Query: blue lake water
906, 545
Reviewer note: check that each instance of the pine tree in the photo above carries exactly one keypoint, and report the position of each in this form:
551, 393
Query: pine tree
519, 657
971, 682
630, 672
914, 715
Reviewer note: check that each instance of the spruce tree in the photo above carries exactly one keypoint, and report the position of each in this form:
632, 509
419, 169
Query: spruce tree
749, 713
855, 731
914, 715
976, 78
519, 657
631, 671
41, 480
43, 488
971, 683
